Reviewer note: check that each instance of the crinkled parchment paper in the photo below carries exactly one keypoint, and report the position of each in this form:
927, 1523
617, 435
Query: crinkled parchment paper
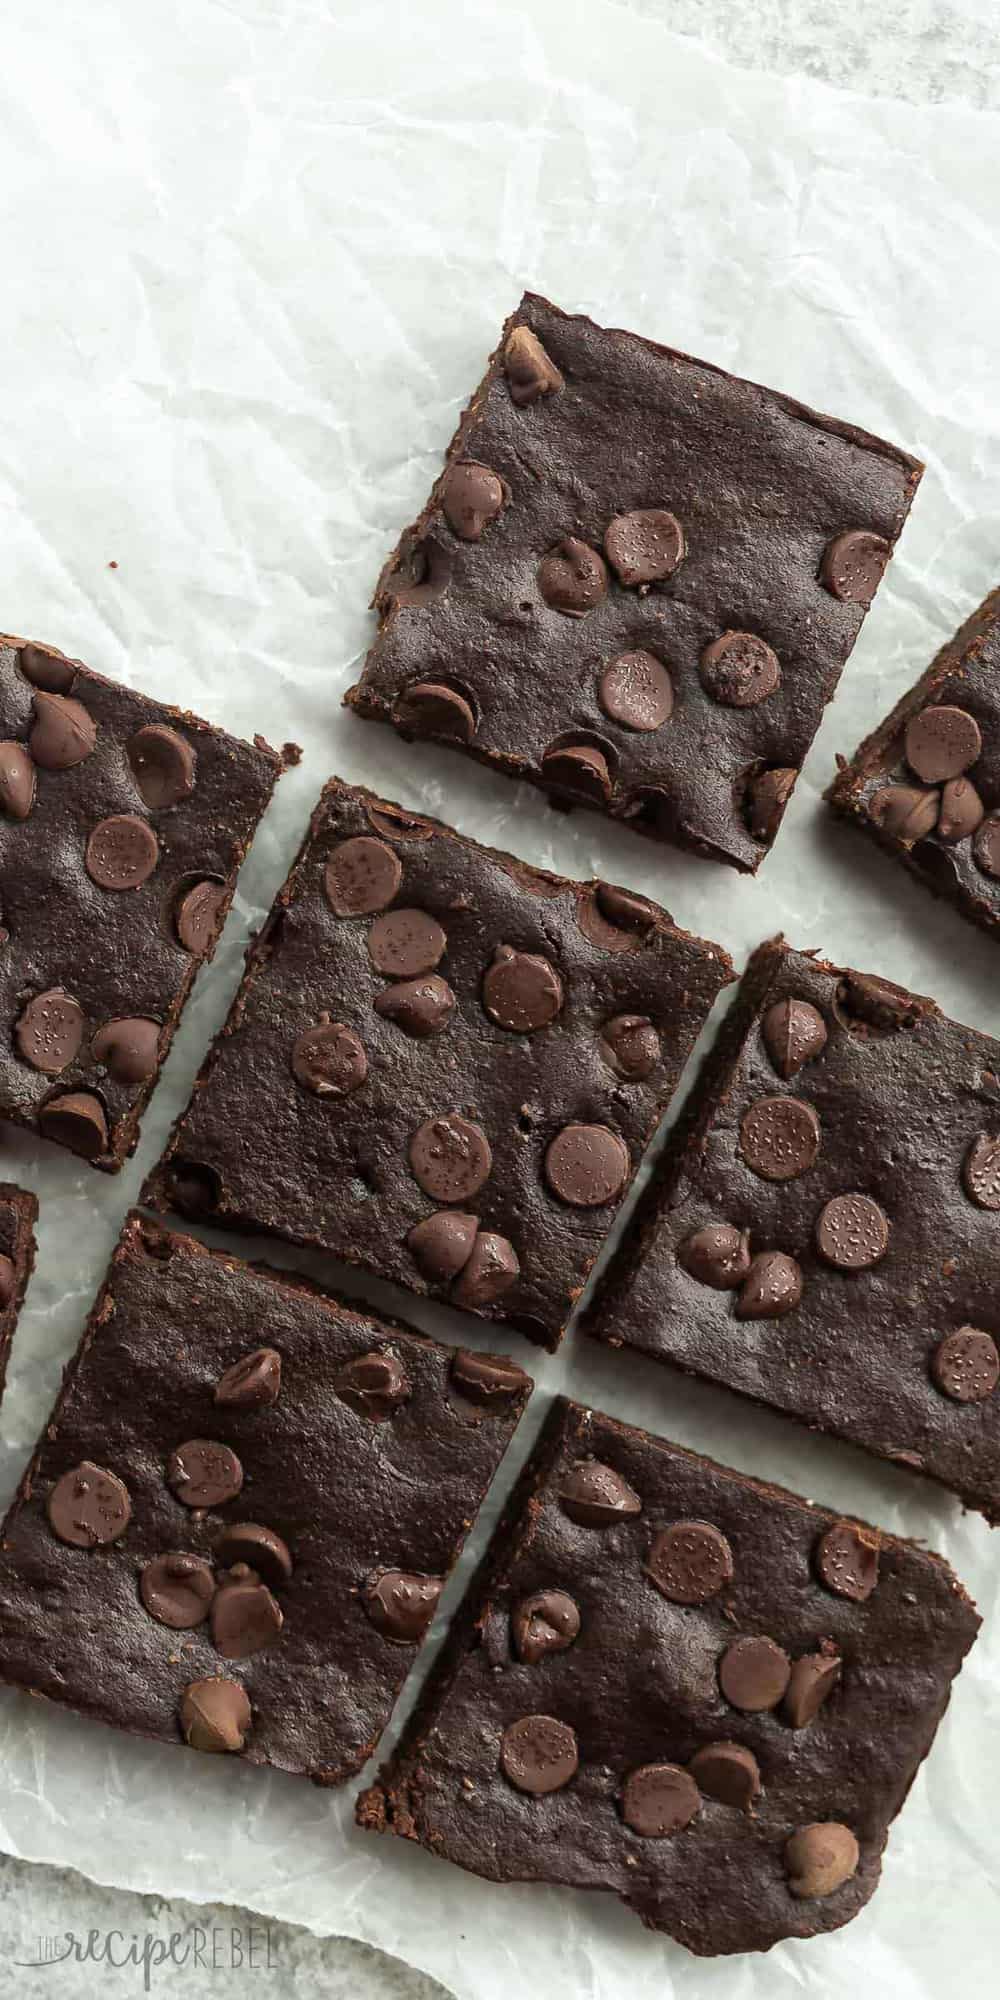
254, 256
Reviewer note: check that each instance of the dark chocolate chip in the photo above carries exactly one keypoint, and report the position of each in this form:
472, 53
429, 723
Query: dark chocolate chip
636, 690
204, 1473
373, 1385
539, 1755
488, 1379
420, 1007
405, 943
587, 1165
773, 1286
442, 1243
853, 565
521, 990
794, 1033
17, 781
450, 1157
847, 1560
904, 812
690, 1562
472, 495
62, 734
430, 708
820, 1858
244, 1618
50, 1030
8, 1282
329, 1059
395, 824
253, 1382
122, 852
200, 916
659, 1800
614, 919
754, 1674
163, 765
852, 1232
965, 1365
767, 798
419, 578
401, 1605
491, 1270
717, 1255
362, 875
127, 1049
260, 1549
630, 1046
572, 578
813, 1679
728, 1772
644, 547
88, 1506
941, 742
530, 371
77, 1120
596, 1496
738, 670
779, 1137
962, 811
981, 1172
177, 1590
51, 671
579, 768
867, 1005
215, 1715
547, 1622
986, 845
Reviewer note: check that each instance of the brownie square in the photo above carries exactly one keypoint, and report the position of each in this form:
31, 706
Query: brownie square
636, 582
123, 825
442, 1064
239, 1517
821, 1232
18, 1214
926, 783
681, 1685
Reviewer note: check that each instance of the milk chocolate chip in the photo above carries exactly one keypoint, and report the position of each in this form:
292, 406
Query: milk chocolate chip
572, 577
215, 1715
472, 495
530, 371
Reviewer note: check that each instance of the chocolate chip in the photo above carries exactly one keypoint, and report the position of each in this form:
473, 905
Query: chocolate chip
127, 1049
539, 1755
644, 547
962, 811
636, 690
767, 798
203, 1473
773, 1286
587, 1165
51, 671
244, 1618
941, 742
753, 1674
177, 1590
253, 1382
965, 1365
17, 781
853, 565
614, 919
488, 1379
981, 1172
580, 768
738, 670
260, 1549
62, 734
717, 1255
77, 1120
405, 943
450, 1157
442, 1243
986, 846
521, 990
329, 1059
472, 495
867, 1005
362, 876
690, 1562
88, 1506
813, 1678
847, 1560
779, 1137
659, 1800
820, 1858
122, 852
491, 1270
215, 1715
421, 575
728, 1772
530, 371
596, 1496
373, 1385
572, 577
396, 824
852, 1232
401, 1605
8, 1282
200, 916
547, 1622
163, 765
794, 1033
905, 813
430, 708
50, 1030
420, 1007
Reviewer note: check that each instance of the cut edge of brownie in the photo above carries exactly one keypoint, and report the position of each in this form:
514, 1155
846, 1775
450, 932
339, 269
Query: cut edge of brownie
24, 1208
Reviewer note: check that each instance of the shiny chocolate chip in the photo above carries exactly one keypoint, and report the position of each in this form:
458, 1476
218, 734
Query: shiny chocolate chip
203, 1473
401, 1604
373, 1385
89, 1506
253, 1382
215, 1715
163, 766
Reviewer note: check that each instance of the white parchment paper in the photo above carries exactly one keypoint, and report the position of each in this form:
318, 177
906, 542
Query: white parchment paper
254, 256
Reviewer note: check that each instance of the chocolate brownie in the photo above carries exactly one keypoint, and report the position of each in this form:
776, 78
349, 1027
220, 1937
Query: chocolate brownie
821, 1230
682, 1685
442, 1064
18, 1213
238, 1521
926, 783
123, 824
636, 582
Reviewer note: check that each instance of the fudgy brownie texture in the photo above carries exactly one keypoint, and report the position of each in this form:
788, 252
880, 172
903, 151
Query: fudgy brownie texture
442, 1064
123, 824
821, 1232
18, 1212
636, 582
679, 1684
926, 783
238, 1520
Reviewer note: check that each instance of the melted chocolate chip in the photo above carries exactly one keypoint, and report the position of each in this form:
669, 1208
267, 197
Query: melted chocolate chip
811, 1682
905, 813
728, 1772
489, 1380
847, 1560
738, 670
50, 1030
401, 1605
51, 671
329, 1060
17, 781
122, 852
430, 708
200, 916
852, 1232
630, 1046
450, 1157
163, 766
587, 1165
779, 1137
420, 1007
772, 1287
596, 1496
472, 496
690, 1562
547, 1622
754, 1674
941, 742
362, 876
253, 1382
794, 1033
88, 1506
177, 1590
579, 768
962, 811
538, 1755
767, 797
530, 371
521, 990
373, 1385
405, 943
644, 547
853, 565
966, 1365
259, 1548
442, 1243
77, 1120
614, 919
659, 1800
866, 1005
204, 1473
572, 578
128, 1050
717, 1255
492, 1268
820, 1858
62, 734
244, 1618
636, 691
215, 1715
